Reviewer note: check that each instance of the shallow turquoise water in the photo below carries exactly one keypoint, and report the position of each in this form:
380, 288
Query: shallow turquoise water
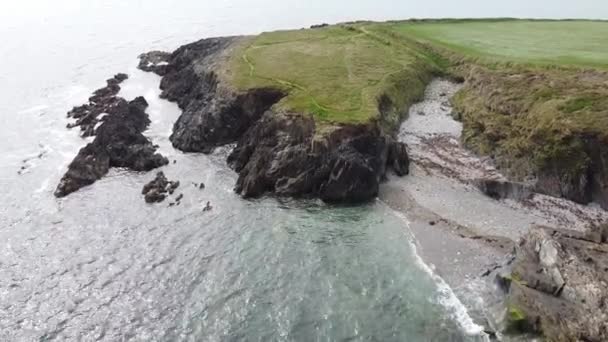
103, 265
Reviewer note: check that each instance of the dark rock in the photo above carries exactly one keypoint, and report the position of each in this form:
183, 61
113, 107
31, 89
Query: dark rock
498, 189
588, 185
103, 101
201, 186
118, 143
398, 158
559, 285
155, 61
157, 189
154, 196
208, 207
319, 26
280, 154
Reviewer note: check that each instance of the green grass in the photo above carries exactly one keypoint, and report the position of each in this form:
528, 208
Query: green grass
574, 43
338, 73
516, 104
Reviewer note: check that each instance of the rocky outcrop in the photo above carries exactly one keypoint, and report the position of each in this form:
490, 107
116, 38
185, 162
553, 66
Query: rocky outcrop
157, 189
103, 101
118, 142
276, 152
282, 154
155, 61
501, 189
588, 184
559, 284
213, 113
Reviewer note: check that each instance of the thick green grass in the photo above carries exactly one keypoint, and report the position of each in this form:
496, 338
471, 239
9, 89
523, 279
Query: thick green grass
570, 43
337, 73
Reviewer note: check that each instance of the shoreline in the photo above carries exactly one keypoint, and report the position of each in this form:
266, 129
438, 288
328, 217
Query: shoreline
467, 237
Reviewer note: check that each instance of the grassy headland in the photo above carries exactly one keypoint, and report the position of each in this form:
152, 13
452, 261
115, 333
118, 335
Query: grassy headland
536, 95
340, 74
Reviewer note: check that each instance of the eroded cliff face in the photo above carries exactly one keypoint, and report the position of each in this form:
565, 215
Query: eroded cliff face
548, 128
277, 152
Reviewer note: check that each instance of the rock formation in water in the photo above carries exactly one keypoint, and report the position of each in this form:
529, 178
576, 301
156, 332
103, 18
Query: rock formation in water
118, 142
277, 152
559, 285
103, 101
157, 190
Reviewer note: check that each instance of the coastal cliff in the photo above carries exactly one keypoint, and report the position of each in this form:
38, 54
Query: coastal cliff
547, 128
278, 150
314, 113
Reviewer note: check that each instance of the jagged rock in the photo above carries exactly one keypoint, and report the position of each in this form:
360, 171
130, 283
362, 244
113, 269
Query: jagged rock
157, 189
559, 285
499, 189
119, 142
155, 61
103, 101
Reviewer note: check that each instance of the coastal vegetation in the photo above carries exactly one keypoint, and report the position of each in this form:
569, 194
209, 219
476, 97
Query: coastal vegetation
336, 73
535, 98
314, 112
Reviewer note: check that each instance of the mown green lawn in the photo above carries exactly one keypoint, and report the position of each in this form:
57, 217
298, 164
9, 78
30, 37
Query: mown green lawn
575, 43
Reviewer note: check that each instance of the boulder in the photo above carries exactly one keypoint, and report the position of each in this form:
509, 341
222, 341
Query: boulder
500, 189
559, 285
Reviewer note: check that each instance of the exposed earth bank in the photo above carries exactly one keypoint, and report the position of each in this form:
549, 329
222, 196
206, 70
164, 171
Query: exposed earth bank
277, 152
546, 128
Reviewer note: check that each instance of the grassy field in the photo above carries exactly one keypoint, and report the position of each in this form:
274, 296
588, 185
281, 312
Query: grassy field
339, 73
577, 43
336, 73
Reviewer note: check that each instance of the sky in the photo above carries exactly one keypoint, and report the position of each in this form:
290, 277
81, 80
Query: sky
597, 9
270, 14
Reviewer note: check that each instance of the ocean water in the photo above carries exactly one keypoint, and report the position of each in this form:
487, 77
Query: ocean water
103, 265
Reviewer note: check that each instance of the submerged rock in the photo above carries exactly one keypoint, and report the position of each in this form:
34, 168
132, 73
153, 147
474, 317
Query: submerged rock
559, 285
157, 189
208, 207
119, 142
